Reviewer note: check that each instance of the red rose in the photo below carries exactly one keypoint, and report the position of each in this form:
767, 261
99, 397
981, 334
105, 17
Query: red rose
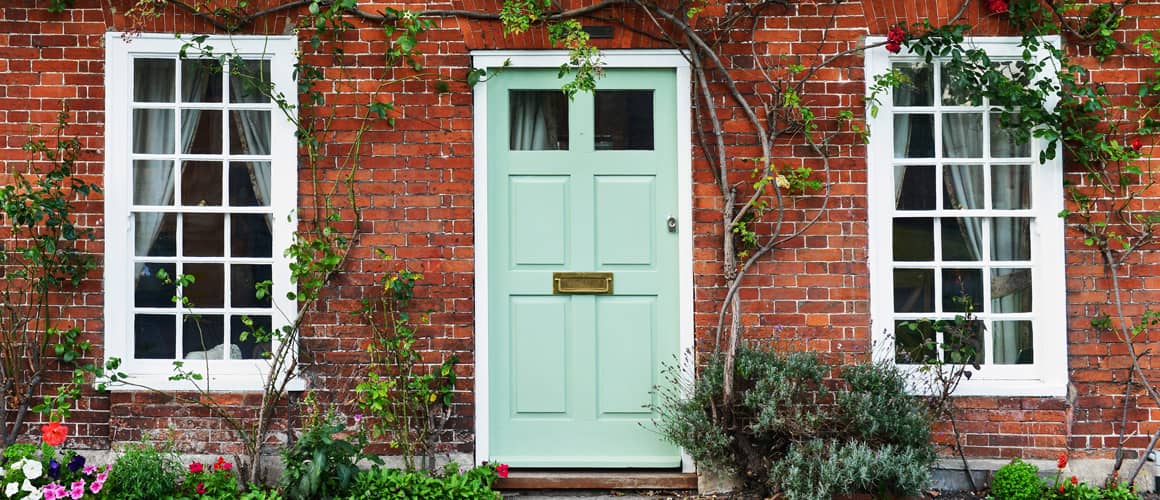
502, 470
200, 488
894, 39
1062, 461
1074, 480
222, 464
196, 467
1137, 144
54, 433
997, 6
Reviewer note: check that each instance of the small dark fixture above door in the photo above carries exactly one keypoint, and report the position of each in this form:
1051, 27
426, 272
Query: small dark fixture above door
598, 31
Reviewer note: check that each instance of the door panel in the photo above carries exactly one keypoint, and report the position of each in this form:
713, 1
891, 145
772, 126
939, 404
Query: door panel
572, 376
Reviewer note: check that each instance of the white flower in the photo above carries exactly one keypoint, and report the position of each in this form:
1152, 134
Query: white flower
33, 469
782, 181
19, 463
11, 489
27, 486
36, 494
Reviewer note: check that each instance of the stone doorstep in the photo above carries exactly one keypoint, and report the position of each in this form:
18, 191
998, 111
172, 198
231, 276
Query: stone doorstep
597, 480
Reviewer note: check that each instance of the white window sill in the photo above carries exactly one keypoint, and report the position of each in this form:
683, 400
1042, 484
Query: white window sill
216, 383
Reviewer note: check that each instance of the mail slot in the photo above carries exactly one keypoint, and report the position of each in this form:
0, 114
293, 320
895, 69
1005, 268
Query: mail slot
582, 283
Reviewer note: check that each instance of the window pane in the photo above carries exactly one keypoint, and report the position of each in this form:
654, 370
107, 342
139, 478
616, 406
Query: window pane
201, 131
1011, 290
250, 81
962, 187
250, 132
624, 119
914, 187
1012, 238
913, 136
153, 182
251, 347
201, 337
153, 131
958, 91
913, 290
539, 120
1014, 343
201, 183
962, 341
914, 342
250, 236
155, 234
250, 184
243, 278
153, 80
208, 288
962, 135
154, 336
962, 238
914, 239
201, 80
1011, 187
917, 89
1004, 143
149, 289
203, 235
962, 290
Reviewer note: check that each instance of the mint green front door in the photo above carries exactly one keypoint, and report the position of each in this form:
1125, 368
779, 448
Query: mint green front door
587, 185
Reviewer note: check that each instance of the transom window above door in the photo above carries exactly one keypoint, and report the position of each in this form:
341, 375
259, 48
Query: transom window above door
966, 246
623, 120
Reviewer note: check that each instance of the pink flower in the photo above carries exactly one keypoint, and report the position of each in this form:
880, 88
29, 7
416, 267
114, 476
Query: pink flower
96, 487
104, 476
502, 470
196, 467
894, 39
90, 469
78, 490
50, 491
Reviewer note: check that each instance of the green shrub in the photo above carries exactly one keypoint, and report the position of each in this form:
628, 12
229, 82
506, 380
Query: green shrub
386, 484
1017, 480
319, 464
143, 472
790, 430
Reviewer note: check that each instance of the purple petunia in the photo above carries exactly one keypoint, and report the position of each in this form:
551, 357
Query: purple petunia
77, 462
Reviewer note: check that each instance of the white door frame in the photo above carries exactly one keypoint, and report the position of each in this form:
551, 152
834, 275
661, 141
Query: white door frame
674, 59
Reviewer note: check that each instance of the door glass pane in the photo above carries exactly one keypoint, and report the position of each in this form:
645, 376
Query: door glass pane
153, 80
958, 92
1012, 238
914, 342
539, 120
1003, 141
202, 335
1011, 187
914, 187
1011, 290
917, 85
1013, 343
153, 182
201, 80
914, 239
962, 135
153, 131
913, 290
155, 234
913, 136
250, 81
624, 119
251, 347
250, 132
201, 183
962, 290
154, 336
962, 238
962, 187
201, 131
250, 184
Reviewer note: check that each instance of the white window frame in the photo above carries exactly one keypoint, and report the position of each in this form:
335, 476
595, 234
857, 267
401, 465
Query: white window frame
1047, 376
120, 51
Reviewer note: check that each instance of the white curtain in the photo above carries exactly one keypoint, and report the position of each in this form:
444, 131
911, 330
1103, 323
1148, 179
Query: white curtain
533, 121
253, 131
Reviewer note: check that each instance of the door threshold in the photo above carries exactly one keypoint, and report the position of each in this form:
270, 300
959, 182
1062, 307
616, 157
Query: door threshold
596, 480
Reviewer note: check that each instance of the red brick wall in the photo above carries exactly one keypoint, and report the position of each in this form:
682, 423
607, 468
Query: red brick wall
415, 187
